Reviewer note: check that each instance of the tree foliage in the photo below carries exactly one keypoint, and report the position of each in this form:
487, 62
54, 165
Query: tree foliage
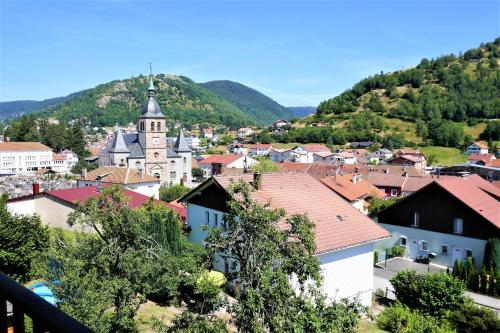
174, 192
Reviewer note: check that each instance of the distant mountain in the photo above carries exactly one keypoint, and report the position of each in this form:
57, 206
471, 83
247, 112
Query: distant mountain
253, 103
302, 111
17, 108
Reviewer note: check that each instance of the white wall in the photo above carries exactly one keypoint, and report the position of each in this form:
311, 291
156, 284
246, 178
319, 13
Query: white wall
150, 189
349, 273
435, 240
24, 161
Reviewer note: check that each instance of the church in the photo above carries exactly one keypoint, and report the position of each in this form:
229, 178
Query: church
147, 150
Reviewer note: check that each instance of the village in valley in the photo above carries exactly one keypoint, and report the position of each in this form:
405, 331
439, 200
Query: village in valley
158, 204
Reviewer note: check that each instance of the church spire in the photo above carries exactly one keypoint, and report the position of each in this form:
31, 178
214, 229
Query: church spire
151, 89
118, 145
151, 109
181, 145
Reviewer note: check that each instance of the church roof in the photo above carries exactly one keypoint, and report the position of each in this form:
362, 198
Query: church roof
118, 144
181, 145
151, 109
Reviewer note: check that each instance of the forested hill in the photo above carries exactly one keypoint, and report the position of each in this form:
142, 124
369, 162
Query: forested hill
121, 101
302, 111
250, 101
17, 108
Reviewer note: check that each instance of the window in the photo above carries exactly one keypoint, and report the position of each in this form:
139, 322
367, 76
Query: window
157, 175
233, 265
402, 241
458, 225
207, 215
416, 220
137, 164
444, 249
468, 253
423, 245
172, 175
152, 125
394, 192
158, 126
156, 154
184, 160
216, 219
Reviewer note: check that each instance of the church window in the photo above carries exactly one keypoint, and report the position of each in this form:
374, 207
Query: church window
137, 164
172, 175
122, 162
184, 159
157, 175
141, 126
158, 126
156, 154
172, 162
152, 125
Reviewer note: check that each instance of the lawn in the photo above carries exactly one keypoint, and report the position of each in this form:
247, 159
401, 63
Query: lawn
150, 310
474, 131
408, 129
445, 155
367, 327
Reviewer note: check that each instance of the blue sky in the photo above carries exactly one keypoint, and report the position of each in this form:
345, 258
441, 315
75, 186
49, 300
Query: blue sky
298, 52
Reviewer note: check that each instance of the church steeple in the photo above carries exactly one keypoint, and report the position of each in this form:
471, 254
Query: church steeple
151, 89
118, 145
181, 145
151, 108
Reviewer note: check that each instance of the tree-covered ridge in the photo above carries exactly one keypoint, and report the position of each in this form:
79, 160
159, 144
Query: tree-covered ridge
121, 101
255, 104
450, 87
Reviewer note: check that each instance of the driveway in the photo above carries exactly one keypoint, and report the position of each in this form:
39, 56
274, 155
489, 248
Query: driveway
384, 272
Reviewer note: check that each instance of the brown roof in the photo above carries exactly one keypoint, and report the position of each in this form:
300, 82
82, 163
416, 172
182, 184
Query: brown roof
409, 151
118, 175
481, 157
345, 187
413, 184
386, 179
337, 224
23, 146
57, 157
314, 147
397, 169
220, 158
411, 158
476, 193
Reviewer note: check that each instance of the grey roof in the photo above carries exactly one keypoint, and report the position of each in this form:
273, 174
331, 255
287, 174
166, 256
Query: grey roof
132, 142
181, 145
151, 109
118, 144
172, 154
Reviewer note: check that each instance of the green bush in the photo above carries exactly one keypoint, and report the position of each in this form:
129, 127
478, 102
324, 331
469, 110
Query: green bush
169, 193
400, 319
469, 318
431, 294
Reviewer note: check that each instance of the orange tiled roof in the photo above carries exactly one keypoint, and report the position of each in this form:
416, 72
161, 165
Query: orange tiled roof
345, 187
337, 224
220, 158
481, 157
315, 147
23, 146
57, 157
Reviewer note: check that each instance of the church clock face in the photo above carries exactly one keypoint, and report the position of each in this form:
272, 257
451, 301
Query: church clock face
156, 141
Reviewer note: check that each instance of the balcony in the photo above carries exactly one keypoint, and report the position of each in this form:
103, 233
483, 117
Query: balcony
17, 301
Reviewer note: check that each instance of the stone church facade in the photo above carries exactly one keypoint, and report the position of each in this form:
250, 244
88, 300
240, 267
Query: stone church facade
147, 149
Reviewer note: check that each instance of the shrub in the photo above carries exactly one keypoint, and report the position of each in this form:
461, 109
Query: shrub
469, 318
431, 294
400, 319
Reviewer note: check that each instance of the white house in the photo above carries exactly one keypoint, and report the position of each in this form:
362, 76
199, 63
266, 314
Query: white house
311, 148
64, 161
477, 148
207, 133
217, 164
245, 132
260, 149
24, 157
280, 155
323, 156
449, 219
131, 179
301, 156
344, 237
238, 148
381, 154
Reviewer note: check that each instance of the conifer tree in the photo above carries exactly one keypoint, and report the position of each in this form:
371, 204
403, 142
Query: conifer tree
484, 281
491, 282
173, 234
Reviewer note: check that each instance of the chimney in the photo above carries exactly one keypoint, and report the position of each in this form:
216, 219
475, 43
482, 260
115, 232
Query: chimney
141, 173
84, 172
36, 188
257, 181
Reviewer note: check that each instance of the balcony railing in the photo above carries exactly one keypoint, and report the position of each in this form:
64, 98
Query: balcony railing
45, 316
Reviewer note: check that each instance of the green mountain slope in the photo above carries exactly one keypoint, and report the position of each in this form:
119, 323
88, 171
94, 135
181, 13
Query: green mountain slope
121, 101
438, 96
17, 108
253, 103
302, 111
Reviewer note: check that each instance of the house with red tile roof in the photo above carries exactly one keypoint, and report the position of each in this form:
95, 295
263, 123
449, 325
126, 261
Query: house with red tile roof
344, 236
217, 164
449, 219
357, 191
311, 148
481, 159
53, 207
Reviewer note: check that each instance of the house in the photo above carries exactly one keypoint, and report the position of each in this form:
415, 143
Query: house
217, 164
260, 149
311, 148
481, 159
193, 142
280, 155
415, 160
324, 156
490, 173
53, 207
380, 154
207, 133
449, 219
395, 185
24, 157
354, 189
245, 132
344, 237
346, 157
280, 123
131, 179
477, 148
237, 148
301, 156
58, 164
